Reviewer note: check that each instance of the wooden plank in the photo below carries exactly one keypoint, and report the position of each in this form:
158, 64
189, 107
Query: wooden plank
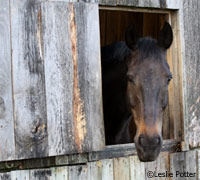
28, 80
177, 79
198, 164
7, 146
59, 173
95, 170
123, 150
183, 162
158, 168
100, 170
191, 68
107, 169
79, 172
121, 168
76, 131
165, 4
41, 174
5, 176
89, 77
20, 175
137, 168
58, 77
115, 151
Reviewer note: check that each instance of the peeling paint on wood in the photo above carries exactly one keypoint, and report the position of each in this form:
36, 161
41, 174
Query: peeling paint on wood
78, 104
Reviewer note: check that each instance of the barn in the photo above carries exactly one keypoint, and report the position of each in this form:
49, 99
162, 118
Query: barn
51, 114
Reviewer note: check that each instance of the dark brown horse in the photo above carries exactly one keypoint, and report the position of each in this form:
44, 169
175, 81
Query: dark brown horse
135, 87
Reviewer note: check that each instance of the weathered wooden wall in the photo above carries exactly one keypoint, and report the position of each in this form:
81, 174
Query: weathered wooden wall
50, 77
7, 143
164, 4
191, 59
126, 168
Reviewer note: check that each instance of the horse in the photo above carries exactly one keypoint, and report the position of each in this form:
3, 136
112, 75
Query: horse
135, 79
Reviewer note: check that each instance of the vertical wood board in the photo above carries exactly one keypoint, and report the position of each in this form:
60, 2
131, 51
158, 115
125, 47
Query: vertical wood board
78, 172
137, 168
28, 80
5, 176
160, 165
7, 144
183, 162
121, 168
89, 75
58, 77
73, 77
191, 69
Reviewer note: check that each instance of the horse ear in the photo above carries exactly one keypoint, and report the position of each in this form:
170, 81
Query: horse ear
131, 37
165, 37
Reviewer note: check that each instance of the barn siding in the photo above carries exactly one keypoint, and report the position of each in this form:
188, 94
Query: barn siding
52, 79
165, 4
191, 52
74, 112
129, 168
28, 80
7, 143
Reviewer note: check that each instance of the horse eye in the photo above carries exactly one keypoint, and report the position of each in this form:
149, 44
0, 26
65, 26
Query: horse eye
130, 78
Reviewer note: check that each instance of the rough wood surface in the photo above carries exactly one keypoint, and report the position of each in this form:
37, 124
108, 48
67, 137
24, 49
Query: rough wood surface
89, 77
20, 175
123, 150
191, 64
7, 144
137, 168
28, 80
5, 176
60, 173
41, 174
183, 162
165, 4
161, 165
78, 172
121, 168
73, 81
117, 168
58, 77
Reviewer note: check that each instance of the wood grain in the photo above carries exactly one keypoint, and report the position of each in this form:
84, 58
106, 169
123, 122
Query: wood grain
183, 162
60, 173
58, 77
191, 67
7, 144
28, 80
121, 168
20, 175
160, 165
78, 172
43, 174
137, 168
5, 176
89, 77
165, 4
73, 77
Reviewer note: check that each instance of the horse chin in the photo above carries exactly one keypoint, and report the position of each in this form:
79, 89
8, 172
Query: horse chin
148, 155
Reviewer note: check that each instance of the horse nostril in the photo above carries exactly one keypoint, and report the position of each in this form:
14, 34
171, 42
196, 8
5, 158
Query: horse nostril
141, 140
156, 140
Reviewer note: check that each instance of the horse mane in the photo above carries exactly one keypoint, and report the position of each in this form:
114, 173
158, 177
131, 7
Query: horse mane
115, 52
148, 47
